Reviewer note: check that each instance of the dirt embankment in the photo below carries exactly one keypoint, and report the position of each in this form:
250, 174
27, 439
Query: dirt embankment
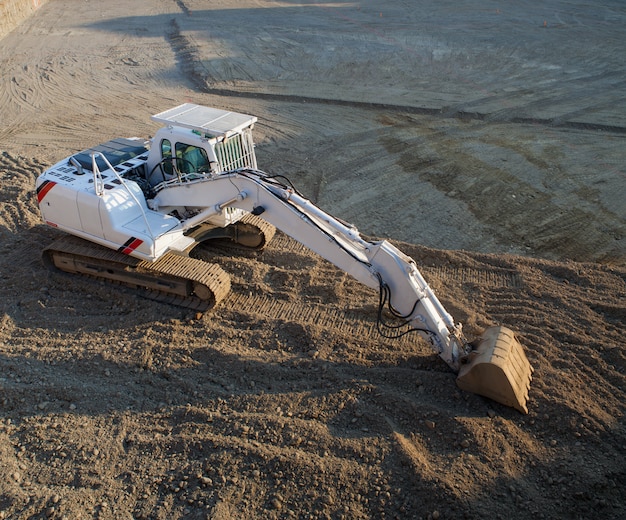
14, 12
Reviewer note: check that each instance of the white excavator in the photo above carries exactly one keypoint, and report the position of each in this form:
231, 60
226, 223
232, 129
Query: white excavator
134, 209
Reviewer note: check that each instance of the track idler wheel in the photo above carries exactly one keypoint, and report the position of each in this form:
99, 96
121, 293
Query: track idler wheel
252, 232
498, 369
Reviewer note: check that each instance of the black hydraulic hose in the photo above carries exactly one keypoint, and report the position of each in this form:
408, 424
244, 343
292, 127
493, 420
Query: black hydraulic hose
383, 327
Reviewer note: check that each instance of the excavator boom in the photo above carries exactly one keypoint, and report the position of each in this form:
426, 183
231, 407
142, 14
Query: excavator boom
494, 366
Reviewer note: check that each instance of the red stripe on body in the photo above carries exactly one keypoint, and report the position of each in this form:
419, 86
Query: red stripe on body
43, 190
128, 248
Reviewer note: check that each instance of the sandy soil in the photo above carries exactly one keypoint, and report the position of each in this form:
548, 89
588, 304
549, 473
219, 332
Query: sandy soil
492, 136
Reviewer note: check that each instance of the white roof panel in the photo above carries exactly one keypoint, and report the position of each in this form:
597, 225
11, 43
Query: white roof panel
212, 121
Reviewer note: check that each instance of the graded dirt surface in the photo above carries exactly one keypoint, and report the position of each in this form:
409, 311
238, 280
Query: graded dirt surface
487, 142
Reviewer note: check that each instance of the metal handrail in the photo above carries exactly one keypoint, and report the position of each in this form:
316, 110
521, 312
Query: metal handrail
99, 187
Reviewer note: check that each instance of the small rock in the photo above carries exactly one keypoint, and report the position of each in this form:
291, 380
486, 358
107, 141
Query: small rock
430, 424
277, 503
465, 443
435, 515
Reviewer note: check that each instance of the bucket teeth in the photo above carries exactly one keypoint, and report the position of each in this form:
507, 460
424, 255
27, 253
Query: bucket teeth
498, 369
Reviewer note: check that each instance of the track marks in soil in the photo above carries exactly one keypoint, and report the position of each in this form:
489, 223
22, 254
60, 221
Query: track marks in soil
531, 205
349, 323
18, 206
284, 79
51, 89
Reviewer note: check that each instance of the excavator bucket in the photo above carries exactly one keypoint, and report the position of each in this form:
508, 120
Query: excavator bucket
498, 369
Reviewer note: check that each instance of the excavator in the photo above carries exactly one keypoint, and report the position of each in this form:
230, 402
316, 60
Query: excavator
132, 210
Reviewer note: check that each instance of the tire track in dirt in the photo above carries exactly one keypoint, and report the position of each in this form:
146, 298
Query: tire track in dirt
43, 89
480, 277
28, 86
348, 323
62, 84
188, 56
24, 89
18, 205
287, 266
529, 203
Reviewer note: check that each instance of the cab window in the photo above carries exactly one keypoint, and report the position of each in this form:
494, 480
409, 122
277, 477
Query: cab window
192, 158
166, 153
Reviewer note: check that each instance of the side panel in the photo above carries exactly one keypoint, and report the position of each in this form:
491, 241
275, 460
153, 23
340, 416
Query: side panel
57, 204
89, 211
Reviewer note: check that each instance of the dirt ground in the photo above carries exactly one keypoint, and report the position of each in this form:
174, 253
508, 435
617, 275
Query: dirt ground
486, 141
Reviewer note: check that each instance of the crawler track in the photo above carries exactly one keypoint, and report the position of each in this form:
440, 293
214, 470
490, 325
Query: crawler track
173, 278
251, 233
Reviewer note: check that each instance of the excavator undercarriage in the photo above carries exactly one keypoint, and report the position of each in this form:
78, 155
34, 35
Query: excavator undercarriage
174, 278
251, 233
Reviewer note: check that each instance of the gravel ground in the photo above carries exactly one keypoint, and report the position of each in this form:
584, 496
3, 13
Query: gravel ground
486, 141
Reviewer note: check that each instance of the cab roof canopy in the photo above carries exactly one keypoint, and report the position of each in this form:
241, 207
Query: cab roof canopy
212, 121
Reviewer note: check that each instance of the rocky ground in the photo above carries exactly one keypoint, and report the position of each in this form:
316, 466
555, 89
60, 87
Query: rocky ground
487, 142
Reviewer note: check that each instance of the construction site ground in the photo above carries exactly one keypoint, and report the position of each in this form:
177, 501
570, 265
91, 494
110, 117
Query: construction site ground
485, 139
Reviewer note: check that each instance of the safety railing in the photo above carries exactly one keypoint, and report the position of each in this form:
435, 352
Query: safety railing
236, 151
99, 188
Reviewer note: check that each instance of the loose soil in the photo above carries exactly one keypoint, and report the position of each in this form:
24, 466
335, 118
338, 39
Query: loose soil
488, 153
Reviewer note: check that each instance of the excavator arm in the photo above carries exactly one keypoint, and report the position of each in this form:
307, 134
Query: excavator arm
494, 365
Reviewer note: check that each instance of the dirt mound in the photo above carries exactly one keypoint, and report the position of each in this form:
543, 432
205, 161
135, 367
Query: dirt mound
285, 402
